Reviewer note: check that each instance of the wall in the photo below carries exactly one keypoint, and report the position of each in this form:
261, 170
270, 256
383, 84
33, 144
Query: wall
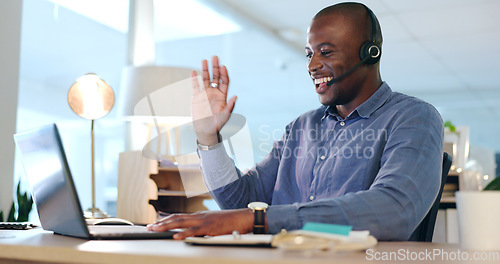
10, 29
57, 46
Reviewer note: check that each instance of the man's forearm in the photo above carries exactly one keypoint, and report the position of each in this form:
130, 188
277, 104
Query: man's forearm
375, 210
217, 167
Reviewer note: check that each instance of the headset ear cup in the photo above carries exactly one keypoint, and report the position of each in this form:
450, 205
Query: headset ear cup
371, 50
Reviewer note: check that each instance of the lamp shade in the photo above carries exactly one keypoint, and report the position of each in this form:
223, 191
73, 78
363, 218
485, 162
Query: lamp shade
159, 91
90, 97
154, 99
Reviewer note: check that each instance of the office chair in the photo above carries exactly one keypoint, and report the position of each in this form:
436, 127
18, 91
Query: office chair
425, 229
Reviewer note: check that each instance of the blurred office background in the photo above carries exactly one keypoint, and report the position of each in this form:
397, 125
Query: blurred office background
443, 51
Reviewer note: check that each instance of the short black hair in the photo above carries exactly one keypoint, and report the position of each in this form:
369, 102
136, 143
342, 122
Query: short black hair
354, 8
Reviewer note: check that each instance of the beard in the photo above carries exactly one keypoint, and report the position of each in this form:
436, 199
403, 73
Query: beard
338, 95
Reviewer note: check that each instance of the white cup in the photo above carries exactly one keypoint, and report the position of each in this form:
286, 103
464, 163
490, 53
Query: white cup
479, 219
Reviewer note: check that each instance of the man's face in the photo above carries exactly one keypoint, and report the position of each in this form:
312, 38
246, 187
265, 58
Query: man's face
332, 48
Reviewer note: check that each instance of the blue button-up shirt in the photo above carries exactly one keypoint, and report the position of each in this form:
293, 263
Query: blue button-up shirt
378, 169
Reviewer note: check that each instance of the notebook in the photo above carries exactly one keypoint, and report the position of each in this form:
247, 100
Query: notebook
54, 192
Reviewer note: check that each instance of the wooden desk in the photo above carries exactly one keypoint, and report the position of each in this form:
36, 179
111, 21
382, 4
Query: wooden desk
38, 246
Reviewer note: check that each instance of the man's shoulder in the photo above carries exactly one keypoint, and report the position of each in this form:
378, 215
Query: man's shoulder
404, 103
402, 98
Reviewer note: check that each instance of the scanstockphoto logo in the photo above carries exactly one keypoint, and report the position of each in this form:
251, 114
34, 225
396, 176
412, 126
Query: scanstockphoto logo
436, 254
169, 136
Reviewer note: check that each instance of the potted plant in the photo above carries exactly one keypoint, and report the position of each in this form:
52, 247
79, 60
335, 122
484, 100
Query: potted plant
494, 185
24, 204
478, 217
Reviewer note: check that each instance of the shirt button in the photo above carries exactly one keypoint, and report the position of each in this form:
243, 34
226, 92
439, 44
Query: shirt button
342, 123
311, 197
322, 157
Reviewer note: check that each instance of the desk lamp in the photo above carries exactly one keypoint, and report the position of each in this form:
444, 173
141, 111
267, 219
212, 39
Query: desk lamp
91, 98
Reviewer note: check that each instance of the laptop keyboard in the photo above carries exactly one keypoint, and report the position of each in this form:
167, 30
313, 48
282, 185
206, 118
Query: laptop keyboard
16, 225
117, 229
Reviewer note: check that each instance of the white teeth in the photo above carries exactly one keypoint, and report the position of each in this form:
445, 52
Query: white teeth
322, 80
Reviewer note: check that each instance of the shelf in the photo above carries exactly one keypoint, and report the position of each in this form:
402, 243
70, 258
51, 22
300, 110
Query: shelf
448, 202
448, 199
144, 189
176, 169
182, 194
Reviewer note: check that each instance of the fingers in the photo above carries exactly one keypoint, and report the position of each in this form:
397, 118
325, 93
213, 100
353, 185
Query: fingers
219, 75
197, 227
190, 232
196, 85
230, 105
225, 79
215, 70
205, 74
175, 221
191, 223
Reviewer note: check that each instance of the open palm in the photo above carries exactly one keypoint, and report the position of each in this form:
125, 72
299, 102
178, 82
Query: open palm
210, 108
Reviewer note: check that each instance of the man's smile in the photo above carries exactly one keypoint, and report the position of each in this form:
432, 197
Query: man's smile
322, 80
321, 83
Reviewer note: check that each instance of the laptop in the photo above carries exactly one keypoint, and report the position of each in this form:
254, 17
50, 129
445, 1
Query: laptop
54, 192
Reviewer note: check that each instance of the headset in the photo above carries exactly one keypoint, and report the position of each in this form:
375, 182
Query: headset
369, 52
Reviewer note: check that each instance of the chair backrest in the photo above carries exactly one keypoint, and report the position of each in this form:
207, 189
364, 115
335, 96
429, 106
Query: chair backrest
425, 229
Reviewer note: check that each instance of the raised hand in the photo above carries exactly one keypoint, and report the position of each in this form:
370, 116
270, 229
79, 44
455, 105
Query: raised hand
210, 108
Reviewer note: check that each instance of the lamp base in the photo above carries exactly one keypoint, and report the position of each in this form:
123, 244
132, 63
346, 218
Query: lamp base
95, 213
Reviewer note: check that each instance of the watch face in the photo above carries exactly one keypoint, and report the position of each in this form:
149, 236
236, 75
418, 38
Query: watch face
258, 206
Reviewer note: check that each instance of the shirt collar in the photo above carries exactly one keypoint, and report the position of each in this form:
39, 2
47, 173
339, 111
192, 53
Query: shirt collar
366, 109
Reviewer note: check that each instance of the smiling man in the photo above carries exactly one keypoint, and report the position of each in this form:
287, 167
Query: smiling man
368, 157
337, 46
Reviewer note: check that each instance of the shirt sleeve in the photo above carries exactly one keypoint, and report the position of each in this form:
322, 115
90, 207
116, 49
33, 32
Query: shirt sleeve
217, 167
404, 188
231, 188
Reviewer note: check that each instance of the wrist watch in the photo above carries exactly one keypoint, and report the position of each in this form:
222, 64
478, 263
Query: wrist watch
259, 210
205, 148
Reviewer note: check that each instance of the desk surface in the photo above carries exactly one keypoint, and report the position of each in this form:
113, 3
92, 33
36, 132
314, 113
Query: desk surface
36, 246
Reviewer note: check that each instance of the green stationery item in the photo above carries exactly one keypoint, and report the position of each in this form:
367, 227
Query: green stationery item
328, 228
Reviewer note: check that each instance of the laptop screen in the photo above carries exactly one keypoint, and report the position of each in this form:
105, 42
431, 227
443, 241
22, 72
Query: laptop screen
52, 186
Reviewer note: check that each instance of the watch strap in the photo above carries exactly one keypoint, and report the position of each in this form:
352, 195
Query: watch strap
259, 226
